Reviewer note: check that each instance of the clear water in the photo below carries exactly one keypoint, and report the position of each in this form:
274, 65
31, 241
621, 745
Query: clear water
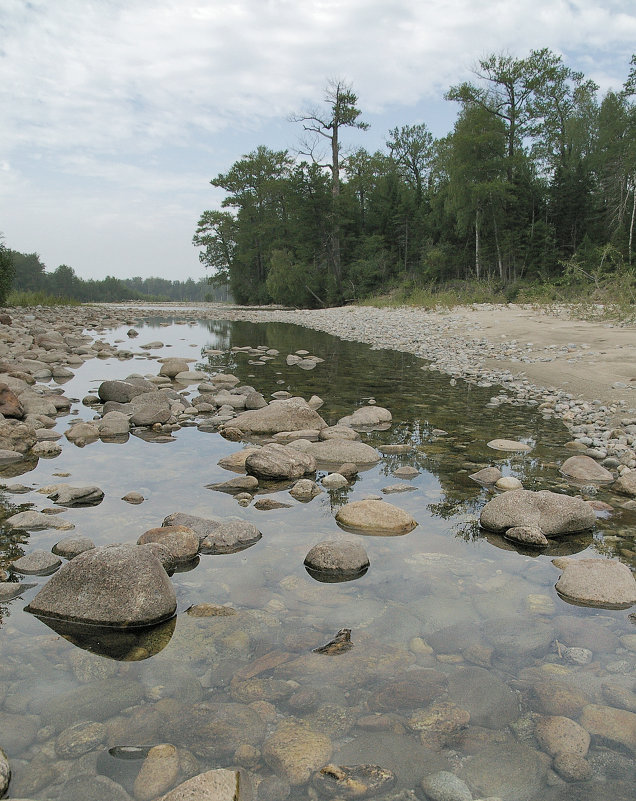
189, 683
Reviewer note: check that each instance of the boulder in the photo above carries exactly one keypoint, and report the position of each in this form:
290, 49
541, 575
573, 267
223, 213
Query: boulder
550, 512
70, 547
230, 536
124, 391
36, 563
236, 485
220, 784
38, 521
202, 526
150, 408
10, 405
337, 451
82, 433
508, 445
609, 725
606, 583
557, 734
305, 490
337, 560
236, 461
508, 771
290, 414
172, 366
626, 484
339, 432
16, 436
294, 751
121, 586
375, 517
113, 424
181, 542
5, 773
11, 457
584, 468
279, 463
531, 536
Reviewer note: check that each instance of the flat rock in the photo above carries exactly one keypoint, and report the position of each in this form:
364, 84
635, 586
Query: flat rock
584, 468
339, 432
607, 724
10, 457
339, 451
202, 526
596, 582
508, 445
367, 417
291, 414
279, 462
489, 700
118, 586
11, 589
509, 771
66, 495
338, 559
550, 512
37, 521
305, 490
236, 461
36, 563
213, 785
230, 536
235, 485
294, 752
70, 547
375, 517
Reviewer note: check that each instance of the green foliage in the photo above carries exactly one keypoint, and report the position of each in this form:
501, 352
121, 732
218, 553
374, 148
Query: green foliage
29, 298
290, 282
7, 272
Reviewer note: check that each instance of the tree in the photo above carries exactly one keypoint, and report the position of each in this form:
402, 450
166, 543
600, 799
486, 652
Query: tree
6, 271
216, 232
411, 146
341, 112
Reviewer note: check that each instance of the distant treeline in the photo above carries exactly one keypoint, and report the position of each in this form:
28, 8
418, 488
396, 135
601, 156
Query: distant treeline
25, 273
536, 182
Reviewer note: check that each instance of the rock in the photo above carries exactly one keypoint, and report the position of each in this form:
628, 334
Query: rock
113, 424
10, 457
213, 785
367, 417
406, 471
375, 517
181, 542
133, 497
172, 366
584, 468
339, 432
124, 391
97, 700
305, 490
489, 700
79, 739
210, 610
445, 786
46, 450
337, 560
236, 461
70, 547
559, 699
509, 771
279, 463
507, 483
508, 445
202, 526
150, 408
352, 781
294, 752
5, 773
18, 732
236, 485
334, 481
82, 434
559, 734
572, 767
517, 639
532, 536
292, 414
11, 589
267, 504
36, 563
394, 489
254, 400
596, 582
337, 451
119, 586
65, 495
16, 436
158, 773
585, 633
412, 690
37, 521
10, 405
552, 513
88, 787
619, 697
609, 725
626, 484
230, 536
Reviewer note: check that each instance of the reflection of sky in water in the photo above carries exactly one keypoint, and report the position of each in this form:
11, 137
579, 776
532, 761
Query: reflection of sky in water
442, 573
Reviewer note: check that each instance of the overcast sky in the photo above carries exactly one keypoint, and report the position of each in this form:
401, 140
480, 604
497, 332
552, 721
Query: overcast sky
115, 114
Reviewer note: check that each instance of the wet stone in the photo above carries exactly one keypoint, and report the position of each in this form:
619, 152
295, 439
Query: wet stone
446, 786
70, 547
79, 739
11, 589
36, 563
352, 781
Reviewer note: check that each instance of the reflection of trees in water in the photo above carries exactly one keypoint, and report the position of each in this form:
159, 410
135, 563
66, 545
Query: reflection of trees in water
11, 540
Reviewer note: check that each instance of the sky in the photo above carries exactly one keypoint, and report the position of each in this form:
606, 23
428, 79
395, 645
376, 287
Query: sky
116, 114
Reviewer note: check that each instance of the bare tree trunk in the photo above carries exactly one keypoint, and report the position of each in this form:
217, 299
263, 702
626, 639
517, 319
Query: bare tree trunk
477, 266
499, 262
631, 226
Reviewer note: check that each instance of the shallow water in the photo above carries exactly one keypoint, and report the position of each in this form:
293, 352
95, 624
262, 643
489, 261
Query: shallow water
199, 685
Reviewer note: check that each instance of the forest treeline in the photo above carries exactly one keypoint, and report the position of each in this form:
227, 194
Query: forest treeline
25, 275
535, 183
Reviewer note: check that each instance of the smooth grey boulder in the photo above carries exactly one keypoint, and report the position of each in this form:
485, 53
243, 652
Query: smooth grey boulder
375, 517
202, 526
550, 512
120, 586
66, 495
230, 536
36, 563
70, 547
5, 773
338, 451
605, 583
172, 366
337, 560
181, 542
38, 521
235, 485
113, 424
626, 484
124, 391
367, 417
291, 414
279, 463
150, 408
584, 468
82, 433
11, 589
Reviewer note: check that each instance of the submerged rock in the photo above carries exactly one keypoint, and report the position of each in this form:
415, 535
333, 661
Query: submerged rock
550, 512
337, 560
213, 785
118, 586
294, 752
508, 445
352, 781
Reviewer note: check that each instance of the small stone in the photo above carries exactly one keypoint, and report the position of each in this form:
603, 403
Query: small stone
445, 786
506, 483
36, 563
376, 517
79, 739
70, 547
557, 734
334, 481
133, 497
158, 772
572, 767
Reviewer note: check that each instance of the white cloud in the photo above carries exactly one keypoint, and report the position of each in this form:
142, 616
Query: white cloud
108, 91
